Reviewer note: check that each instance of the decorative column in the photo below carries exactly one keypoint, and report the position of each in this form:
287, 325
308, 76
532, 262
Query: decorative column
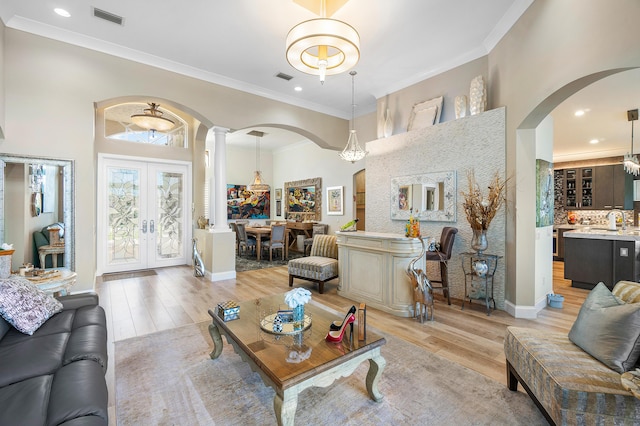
220, 176
218, 246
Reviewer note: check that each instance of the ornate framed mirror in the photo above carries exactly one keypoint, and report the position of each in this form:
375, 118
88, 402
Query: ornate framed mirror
67, 197
429, 196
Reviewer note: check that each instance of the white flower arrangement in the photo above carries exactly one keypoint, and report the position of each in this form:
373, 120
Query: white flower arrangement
6, 246
296, 297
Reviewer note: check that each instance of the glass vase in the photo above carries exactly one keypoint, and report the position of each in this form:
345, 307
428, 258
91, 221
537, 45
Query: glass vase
479, 241
298, 317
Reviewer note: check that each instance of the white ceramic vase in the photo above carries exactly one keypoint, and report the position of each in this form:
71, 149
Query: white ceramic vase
380, 126
477, 96
461, 106
388, 125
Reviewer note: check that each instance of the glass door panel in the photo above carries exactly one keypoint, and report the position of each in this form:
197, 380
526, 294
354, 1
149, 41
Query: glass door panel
169, 207
142, 207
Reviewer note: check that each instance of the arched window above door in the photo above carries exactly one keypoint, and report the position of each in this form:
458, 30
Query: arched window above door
118, 125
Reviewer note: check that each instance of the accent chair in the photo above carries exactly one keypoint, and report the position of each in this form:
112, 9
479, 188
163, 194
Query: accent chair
320, 266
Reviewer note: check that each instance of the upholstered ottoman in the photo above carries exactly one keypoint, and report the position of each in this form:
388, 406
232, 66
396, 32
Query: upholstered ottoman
322, 264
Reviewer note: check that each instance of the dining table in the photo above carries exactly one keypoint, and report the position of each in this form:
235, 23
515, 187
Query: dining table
260, 232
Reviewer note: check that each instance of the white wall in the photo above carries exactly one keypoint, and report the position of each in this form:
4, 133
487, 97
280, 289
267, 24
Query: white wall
241, 165
544, 235
17, 230
450, 84
541, 61
77, 78
306, 160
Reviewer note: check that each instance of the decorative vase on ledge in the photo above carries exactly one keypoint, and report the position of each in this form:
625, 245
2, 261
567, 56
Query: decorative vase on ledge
477, 96
461, 106
388, 125
479, 241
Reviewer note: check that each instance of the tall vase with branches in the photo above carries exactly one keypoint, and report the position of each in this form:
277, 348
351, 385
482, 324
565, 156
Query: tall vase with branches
480, 209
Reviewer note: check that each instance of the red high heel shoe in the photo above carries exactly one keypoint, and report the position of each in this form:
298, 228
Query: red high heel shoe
337, 335
336, 325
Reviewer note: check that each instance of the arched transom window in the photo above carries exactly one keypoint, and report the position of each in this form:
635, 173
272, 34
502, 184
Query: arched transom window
119, 125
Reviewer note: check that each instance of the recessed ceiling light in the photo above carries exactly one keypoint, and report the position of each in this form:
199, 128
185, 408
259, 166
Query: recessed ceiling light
298, 89
62, 12
594, 141
579, 113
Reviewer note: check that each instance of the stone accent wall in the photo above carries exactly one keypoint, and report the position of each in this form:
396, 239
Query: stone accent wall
470, 143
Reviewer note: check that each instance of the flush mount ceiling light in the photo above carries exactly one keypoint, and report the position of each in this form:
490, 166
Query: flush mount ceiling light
631, 164
323, 46
353, 151
62, 12
257, 186
152, 119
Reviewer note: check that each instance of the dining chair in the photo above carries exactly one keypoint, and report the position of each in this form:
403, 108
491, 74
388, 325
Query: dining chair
234, 228
245, 242
276, 241
318, 229
442, 256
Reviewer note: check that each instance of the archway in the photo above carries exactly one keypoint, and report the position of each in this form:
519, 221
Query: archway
533, 133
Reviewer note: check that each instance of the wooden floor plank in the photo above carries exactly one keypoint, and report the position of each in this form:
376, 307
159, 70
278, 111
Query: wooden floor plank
469, 337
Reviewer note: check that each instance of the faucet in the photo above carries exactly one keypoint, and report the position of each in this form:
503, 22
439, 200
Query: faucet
624, 219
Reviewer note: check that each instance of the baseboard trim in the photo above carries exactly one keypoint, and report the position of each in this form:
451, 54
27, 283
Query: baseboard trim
525, 312
221, 276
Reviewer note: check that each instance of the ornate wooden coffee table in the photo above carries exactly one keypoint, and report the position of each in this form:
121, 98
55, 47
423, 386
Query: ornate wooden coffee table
292, 363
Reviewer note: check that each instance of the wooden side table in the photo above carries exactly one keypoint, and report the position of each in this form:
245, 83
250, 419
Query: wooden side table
296, 228
479, 270
54, 251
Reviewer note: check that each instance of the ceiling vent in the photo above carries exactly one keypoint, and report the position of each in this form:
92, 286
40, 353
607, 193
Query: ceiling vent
107, 16
284, 76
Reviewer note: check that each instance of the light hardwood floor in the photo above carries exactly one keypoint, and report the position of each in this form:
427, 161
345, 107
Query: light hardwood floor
174, 298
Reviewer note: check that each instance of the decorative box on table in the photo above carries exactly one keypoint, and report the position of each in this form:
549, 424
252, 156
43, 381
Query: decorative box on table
228, 310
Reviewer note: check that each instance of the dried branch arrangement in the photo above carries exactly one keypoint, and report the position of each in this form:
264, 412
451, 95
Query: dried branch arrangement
480, 211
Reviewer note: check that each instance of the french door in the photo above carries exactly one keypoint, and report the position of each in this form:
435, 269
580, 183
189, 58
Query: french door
143, 214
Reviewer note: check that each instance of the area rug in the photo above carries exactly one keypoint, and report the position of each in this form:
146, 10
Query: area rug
167, 378
129, 274
248, 263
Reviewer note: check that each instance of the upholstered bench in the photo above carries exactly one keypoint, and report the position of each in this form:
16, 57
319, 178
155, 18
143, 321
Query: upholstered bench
569, 385
320, 266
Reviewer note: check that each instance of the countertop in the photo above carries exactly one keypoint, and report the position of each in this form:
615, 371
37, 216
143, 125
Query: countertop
580, 226
600, 232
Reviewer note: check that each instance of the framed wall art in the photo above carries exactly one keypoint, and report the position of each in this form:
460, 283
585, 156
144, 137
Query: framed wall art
544, 193
278, 194
335, 200
243, 204
303, 199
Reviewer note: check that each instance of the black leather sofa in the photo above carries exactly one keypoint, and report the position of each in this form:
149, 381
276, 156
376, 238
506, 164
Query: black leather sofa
57, 375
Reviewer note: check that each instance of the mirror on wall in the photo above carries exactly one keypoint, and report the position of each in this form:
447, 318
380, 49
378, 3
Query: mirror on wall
55, 201
430, 196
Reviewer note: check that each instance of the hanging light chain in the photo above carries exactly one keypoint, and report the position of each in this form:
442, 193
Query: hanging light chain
353, 99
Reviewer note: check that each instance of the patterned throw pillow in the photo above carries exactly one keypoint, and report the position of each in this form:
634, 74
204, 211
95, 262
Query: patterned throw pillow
24, 305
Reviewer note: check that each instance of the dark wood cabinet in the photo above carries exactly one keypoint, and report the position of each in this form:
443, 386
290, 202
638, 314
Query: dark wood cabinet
613, 188
578, 188
590, 261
